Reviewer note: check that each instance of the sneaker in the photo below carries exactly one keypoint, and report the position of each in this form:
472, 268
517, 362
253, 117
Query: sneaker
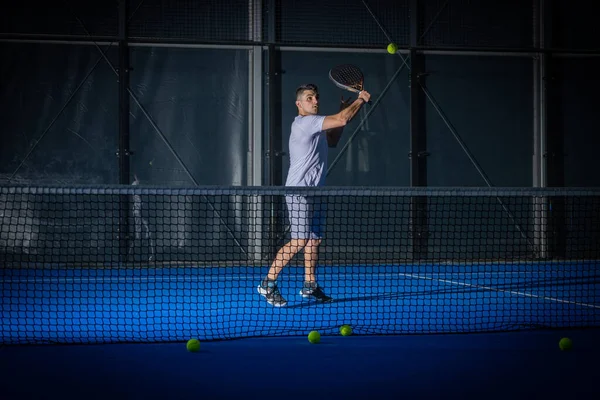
313, 291
271, 294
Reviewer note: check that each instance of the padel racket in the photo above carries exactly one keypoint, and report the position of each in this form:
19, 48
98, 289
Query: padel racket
348, 77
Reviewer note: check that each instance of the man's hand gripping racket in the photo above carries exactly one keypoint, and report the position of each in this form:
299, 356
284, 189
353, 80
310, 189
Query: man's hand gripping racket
350, 77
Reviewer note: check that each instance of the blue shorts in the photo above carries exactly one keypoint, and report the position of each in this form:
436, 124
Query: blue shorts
307, 216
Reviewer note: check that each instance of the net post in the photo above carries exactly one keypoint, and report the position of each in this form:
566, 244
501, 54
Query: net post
123, 153
275, 151
555, 147
255, 100
418, 140
551, 142
256, 229
255, 139
539, 164
540, 228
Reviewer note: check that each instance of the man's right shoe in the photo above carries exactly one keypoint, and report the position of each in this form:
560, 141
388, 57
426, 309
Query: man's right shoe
313, 291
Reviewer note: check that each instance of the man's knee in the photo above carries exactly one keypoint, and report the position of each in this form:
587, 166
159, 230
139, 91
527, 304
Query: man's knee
306, 244
314, 243
299, 243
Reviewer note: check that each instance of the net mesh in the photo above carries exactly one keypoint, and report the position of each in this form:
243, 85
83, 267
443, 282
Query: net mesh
466, 23
141, 264
205, 21
61, 18
342, 23
339, 23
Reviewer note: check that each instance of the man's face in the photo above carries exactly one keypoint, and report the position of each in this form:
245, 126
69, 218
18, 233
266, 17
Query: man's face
308, 103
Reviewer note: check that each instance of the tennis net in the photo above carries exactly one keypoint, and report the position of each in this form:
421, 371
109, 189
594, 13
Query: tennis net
130, 263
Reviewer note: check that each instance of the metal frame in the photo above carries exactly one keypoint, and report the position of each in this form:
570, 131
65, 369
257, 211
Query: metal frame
255, 127
273, 156
539, 166
265, 167
468, 52
454, 51
123, 79
418, 138
123, 153
552, 146
255, 100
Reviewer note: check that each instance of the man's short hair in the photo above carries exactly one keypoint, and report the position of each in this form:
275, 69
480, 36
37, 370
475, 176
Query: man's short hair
308, 86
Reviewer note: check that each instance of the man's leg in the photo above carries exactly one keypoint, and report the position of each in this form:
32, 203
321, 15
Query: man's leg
297, 208
311, 256
283, 257
268, 286
311, 289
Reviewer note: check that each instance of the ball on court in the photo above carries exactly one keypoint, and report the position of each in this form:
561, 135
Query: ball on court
565, 344
346, 330
193, 345
314, 337
392, 48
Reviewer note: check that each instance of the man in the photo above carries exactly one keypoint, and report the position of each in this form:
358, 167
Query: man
310, 136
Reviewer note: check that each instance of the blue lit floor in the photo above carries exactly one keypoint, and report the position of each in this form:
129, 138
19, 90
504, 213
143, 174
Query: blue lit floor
518, 365
450, 303
175, 303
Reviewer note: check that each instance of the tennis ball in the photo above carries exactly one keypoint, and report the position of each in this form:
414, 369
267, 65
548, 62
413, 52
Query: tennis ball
392, 48
193, 345
346, 330
565, 344
314, 337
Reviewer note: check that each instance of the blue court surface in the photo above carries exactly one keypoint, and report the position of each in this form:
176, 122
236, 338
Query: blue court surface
487, 330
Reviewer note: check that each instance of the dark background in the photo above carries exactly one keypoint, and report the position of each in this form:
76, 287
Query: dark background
208, 95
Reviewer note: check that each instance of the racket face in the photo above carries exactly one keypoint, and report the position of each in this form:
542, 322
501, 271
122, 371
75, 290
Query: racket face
347, 77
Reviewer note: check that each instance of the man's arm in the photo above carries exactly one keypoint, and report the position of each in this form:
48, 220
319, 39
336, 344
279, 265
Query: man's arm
341, 119
334, 134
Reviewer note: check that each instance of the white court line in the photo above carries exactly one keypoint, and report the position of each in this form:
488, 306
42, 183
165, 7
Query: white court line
505, 291
238, 277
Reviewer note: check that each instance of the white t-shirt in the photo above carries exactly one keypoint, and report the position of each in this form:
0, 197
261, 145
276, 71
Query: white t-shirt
308, 152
